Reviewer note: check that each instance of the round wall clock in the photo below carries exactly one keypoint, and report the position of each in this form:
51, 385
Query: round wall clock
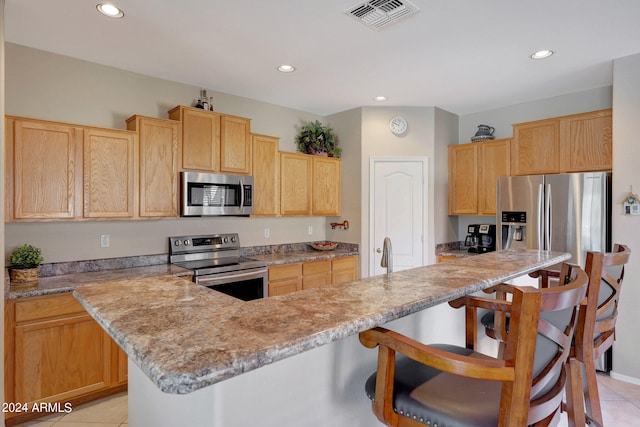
398, 125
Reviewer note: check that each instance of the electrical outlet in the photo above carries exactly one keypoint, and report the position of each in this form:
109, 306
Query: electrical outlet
266, 233
310, 231
105, 241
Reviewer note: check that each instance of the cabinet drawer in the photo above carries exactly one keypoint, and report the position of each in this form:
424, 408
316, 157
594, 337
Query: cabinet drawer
344, 263
279, 272
48, 306
315, 267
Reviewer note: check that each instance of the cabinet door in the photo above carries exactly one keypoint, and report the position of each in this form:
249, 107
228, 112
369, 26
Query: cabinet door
344, 269
326, 180
536, 147
109, 173
158, 147
284, 279
295, 184
266, 175
587, 141
494, 161
316, 274
60, 359
47, 169
235, 145
463, 179
200, 139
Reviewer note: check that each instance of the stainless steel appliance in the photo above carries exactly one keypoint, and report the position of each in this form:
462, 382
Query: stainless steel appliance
208, 194
481, 238
563, 212
216, 262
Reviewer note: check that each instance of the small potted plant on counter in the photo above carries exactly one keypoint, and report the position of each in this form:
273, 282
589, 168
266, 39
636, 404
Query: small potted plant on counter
24, 263
315, 138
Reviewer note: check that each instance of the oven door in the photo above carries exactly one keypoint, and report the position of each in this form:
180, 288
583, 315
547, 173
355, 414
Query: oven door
246, 285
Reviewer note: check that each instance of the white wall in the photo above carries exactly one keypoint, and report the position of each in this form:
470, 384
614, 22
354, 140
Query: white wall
626, 229
53, 87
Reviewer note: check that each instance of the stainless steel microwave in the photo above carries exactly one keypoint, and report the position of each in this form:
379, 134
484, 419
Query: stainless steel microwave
208, 194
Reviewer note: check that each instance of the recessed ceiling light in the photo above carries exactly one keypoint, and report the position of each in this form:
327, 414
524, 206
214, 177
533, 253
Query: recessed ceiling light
286, 68
380, 98
109, 10
541, 54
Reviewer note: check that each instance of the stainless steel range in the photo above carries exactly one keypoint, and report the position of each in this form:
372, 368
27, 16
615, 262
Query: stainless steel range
216, 262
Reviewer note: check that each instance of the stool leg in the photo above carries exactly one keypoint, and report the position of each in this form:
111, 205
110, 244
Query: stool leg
574, 390
591, 394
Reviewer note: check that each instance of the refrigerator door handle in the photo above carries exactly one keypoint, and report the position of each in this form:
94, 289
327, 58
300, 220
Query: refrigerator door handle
540, 228
548, 219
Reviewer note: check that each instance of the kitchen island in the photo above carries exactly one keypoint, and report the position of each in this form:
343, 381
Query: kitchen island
194, 354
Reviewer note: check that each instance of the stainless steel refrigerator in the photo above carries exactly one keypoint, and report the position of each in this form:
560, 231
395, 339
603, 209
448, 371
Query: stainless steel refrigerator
560, 212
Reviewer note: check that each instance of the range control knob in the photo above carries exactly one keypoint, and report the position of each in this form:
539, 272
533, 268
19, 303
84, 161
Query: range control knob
225, 239
186, 242
233, 239
177, 243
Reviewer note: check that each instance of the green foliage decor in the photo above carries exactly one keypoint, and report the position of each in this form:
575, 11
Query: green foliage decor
315, 138
25, 257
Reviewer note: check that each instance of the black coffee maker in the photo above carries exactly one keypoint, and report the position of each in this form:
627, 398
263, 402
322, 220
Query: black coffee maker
481, 238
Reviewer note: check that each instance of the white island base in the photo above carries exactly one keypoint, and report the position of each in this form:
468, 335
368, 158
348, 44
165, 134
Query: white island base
317, 388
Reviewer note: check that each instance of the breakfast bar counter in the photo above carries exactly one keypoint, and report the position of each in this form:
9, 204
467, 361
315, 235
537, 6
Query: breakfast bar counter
188, 345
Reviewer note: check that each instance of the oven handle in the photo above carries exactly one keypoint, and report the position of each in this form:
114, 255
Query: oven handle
227, 278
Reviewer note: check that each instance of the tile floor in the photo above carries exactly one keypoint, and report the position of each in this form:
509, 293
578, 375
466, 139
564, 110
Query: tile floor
620, 408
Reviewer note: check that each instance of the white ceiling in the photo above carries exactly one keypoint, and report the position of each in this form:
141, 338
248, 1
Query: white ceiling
460, 55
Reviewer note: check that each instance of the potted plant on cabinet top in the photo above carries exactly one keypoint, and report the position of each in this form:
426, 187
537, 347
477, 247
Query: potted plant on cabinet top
315, 138
24, 263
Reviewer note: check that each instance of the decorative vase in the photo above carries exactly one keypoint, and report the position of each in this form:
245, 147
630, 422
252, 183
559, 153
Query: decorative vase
21, 276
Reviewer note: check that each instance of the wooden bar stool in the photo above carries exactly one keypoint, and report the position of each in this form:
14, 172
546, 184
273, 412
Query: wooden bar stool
450, 385
595, 331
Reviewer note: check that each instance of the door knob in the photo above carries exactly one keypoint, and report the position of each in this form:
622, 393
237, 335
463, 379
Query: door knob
379, 250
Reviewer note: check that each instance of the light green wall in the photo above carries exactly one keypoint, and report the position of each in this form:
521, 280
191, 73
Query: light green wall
626, 229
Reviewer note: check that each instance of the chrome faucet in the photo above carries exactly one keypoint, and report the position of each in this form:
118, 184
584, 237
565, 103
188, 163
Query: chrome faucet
387, 255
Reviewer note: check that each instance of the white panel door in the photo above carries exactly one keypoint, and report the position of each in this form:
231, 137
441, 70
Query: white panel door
398, 211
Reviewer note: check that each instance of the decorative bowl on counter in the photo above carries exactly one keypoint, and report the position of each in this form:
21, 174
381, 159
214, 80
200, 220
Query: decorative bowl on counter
324, 246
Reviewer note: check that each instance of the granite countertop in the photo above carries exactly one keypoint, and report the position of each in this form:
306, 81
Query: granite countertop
59, 283
68, 282
302, 256
185, 337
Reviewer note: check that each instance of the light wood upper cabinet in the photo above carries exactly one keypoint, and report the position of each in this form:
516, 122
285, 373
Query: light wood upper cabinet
295, 183
574, 143
463, 179
235, 145
200, 138
158, 144
494, 161
536, 147
44, 170
214, 142
473, 175
56, 352
110, 184
266, 175
326, 196
587, 141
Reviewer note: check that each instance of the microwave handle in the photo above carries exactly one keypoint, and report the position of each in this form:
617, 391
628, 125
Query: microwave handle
241, 195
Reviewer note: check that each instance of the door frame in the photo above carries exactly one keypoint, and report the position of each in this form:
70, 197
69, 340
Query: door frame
424, 162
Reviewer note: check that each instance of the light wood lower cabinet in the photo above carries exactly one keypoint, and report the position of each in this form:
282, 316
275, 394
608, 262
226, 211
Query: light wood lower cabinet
287, 278
316, 274
56, 352
284, 279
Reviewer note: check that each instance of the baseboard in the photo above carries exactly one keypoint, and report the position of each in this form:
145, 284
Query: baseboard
624, 378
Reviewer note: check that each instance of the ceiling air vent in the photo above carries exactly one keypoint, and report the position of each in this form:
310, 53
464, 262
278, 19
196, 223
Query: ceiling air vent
376, 14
